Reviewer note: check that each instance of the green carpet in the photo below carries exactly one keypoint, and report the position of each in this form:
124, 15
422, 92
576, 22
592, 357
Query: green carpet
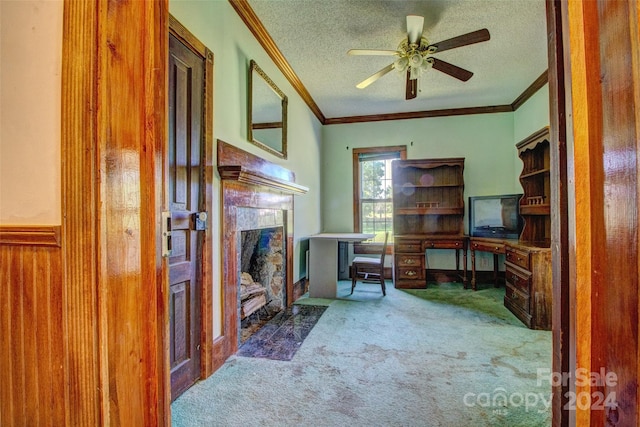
487, 300
443, 356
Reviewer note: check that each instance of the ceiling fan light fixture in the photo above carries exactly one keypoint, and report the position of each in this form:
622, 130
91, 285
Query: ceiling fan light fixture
401, 64
415, 60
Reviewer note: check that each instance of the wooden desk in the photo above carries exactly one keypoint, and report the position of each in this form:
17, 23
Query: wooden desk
487, 244
528, 286
323, 261
409, 257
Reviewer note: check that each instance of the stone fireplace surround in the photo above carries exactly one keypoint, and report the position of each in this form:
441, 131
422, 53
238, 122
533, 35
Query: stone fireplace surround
263, 257
253, 187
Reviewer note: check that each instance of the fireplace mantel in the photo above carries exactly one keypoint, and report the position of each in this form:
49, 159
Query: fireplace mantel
239, 165
249, 183
248, 176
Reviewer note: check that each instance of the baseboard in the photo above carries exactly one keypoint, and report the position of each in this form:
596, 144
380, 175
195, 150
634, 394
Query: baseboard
300, 288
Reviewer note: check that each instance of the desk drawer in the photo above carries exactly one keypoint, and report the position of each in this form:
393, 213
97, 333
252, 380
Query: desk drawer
517, 257
408, 246
414, 261
410, 273
517, 298
518, 278
496, 248
444, 244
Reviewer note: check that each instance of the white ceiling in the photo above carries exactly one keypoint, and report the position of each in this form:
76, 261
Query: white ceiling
315, 35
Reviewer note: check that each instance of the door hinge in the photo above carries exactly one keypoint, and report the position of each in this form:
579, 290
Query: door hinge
166, 234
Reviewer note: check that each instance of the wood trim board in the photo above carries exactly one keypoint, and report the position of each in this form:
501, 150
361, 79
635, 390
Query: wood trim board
30, 235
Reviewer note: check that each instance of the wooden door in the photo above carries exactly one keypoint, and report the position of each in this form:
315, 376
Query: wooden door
186, 87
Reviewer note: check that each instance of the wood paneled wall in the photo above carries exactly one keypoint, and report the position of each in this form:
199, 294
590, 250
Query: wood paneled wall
32, 382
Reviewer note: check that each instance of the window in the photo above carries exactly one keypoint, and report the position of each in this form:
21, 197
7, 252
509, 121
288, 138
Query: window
372, 191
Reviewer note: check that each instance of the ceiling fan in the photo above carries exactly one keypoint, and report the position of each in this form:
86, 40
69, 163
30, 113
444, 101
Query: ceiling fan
414, 55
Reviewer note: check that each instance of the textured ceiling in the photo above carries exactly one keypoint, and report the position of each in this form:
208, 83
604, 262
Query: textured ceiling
315, 35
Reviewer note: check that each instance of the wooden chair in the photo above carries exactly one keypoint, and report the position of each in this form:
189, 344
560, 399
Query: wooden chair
370, 269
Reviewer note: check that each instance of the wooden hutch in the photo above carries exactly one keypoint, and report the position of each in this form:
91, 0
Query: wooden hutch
528, 262
528, 259
428, 213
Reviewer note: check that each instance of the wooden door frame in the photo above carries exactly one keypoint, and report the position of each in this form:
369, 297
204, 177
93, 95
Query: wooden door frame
114, 80
559, 157
206, 204
602, 58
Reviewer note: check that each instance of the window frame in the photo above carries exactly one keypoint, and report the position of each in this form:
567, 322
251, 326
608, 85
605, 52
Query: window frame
357, 202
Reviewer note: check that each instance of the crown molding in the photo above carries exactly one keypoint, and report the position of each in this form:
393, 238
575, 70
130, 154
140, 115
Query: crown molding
420, 114
531, 90
251, 20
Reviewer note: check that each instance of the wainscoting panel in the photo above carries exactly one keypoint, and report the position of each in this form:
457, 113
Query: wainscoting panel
32, 390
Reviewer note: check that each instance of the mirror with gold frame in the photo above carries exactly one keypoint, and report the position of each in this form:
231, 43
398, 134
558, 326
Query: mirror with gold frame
267, 118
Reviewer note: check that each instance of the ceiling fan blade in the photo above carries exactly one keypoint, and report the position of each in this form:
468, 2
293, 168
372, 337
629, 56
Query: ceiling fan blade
380, 52
375, 77
463, 40
414, 28
452, 70
412, 87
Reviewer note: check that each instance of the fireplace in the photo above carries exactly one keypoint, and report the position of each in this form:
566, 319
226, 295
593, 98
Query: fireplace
256, 195
262, 268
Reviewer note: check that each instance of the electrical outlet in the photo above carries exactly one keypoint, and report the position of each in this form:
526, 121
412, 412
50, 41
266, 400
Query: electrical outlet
484, 263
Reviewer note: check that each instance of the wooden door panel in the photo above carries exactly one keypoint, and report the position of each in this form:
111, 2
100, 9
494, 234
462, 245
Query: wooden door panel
186, 86
179, 247
179, 304
178, 152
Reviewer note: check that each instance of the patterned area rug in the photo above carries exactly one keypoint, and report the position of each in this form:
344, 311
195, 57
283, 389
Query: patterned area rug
283, 335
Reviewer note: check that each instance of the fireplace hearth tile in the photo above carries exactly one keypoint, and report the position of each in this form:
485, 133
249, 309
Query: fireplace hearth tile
281, 337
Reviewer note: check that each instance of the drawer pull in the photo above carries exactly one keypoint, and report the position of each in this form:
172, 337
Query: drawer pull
411, 273
497, 248
457, 243
409, 261
515, 278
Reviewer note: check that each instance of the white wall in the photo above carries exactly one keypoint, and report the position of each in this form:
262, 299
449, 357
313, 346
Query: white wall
30, 88
532, 116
